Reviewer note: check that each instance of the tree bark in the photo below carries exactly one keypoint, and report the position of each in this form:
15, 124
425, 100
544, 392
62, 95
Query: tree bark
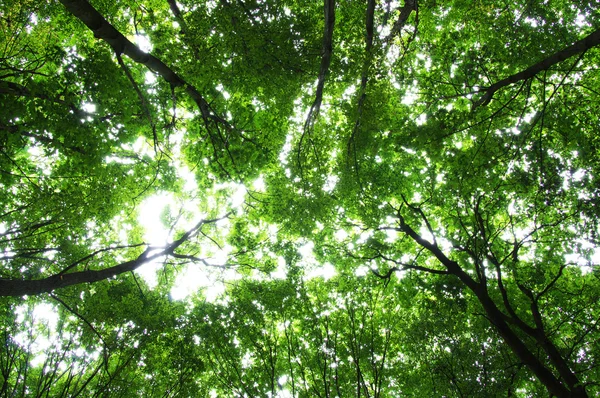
17, 287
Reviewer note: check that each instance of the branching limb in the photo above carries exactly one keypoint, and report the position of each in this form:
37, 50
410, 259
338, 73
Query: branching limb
513, 317
548, 346
23, 173
552, 282
177, 14
418, 210
399, 266
579, 46
409, 6
193, 232
477, 260
498, 319
195, 259
102, 29
18, 90
81, 317
327, 50
413, 265
94, 254
21, 130
17, 287
183, 27
370, 17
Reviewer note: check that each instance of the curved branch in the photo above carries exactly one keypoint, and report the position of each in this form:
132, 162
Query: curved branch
102, 29
404, 266
327, 50
498, 319
17, 287
81, 317
580, 46
141, 97
16, 89
20, 130
370, 17
409, 6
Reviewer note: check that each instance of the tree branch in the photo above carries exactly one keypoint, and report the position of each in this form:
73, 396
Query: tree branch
514, 318
498, 319
78, 315
19, 90
580, 46
327, 50
95, 253
370, 17
17, 288
409, 6
102, 29
405, 266
141, 97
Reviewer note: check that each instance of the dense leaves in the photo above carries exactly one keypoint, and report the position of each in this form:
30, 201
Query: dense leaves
297, 199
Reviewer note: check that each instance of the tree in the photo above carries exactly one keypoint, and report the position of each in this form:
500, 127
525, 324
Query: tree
420, 213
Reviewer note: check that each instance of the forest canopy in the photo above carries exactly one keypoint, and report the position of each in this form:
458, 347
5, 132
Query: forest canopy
259, 198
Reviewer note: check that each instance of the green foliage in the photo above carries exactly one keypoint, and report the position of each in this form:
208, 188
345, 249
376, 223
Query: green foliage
431, 231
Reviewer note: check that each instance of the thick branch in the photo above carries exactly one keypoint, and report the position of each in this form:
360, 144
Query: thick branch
94, 254
497, 318
102, 29
409, 6
548, 346
505, 299
514, 318
370, 17
175, 10
451, 266
580, 46
17, 288
329, 9
183, 27
327, 50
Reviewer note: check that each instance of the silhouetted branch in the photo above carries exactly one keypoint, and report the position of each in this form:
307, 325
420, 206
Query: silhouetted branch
18, 287
579, 46
326, 52
409, 6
